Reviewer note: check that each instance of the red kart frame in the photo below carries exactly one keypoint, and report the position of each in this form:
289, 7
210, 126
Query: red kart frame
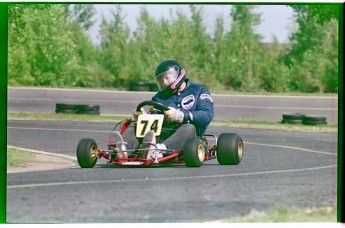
228, 149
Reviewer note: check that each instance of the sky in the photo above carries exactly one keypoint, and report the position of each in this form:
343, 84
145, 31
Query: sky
276, 20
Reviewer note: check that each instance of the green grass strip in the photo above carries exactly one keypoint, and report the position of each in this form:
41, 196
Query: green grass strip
283, 214
17, 157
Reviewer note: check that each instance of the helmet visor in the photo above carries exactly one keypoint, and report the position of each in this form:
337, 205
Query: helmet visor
166, 78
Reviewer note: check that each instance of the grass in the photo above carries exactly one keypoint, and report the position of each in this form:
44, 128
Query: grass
116, 118
16, 157
283, 214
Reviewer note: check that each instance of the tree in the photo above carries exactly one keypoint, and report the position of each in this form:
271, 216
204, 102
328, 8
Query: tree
41, 46
114, 47
322, 13
81, 14
17, 11
242, 55
274, 74
149, 44
49, 50
219, 48
201, 47
313, 54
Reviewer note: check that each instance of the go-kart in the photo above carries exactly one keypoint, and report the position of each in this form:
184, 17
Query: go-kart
227, 147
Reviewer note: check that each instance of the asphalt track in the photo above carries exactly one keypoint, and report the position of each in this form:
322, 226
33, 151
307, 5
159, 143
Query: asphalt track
279, 168
227, 107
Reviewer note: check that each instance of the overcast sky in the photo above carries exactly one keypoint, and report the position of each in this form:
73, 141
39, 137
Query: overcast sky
276, 19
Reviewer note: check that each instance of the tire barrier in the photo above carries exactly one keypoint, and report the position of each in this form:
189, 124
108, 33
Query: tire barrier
300, 118
314, 120
65, 108
138, 86
293, 118
142, 86
85, 109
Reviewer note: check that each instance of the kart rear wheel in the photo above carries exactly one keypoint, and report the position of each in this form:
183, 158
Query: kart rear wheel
229, 149
87, 153
194, 153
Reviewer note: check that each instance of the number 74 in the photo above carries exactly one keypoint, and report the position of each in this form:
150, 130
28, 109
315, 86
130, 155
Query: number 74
149, 122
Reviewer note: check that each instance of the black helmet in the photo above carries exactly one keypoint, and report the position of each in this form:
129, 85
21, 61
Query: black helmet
172, 72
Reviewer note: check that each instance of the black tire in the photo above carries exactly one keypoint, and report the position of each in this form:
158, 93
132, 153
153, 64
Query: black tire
314, 122
314, 118
65, 108
86, 107
138, 86
292, 121
87, 153
61, 106
89, 112
229, 149
293, 116
193, 153
66, 111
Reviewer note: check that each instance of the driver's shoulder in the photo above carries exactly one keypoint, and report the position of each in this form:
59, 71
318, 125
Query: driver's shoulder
197, 87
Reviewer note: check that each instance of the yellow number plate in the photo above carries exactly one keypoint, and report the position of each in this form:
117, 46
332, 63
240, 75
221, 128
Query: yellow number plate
148, 122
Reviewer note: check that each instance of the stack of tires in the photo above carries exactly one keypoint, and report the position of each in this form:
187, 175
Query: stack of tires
86, 109
66, 108
300, 118
293, 118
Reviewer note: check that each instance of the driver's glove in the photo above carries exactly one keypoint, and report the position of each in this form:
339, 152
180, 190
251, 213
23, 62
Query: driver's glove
174, 115
137, 113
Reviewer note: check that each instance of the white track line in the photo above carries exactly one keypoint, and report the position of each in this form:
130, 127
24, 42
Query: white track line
293, 148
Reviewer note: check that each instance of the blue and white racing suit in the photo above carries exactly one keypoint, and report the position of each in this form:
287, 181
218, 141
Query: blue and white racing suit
196, 104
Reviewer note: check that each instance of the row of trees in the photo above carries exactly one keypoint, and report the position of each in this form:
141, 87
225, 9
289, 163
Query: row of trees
49, 46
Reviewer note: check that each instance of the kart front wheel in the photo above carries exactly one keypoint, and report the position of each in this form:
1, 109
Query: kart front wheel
87, 153
194, 153
229, 149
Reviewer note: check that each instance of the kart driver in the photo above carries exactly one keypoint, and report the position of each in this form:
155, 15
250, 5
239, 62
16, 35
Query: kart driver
190, 111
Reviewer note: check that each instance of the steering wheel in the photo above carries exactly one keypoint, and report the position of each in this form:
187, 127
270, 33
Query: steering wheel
156, 104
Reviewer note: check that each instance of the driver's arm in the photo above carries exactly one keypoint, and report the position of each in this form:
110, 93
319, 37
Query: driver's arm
203, 113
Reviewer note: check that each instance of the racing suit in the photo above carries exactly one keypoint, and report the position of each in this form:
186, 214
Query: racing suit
196, 104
